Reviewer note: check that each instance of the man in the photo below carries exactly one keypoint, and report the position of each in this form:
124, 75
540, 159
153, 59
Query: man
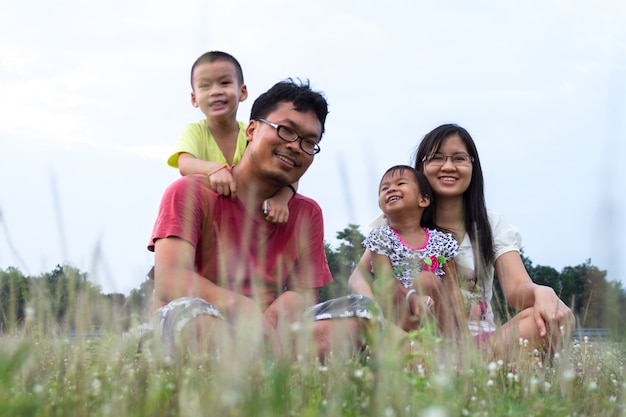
226, 277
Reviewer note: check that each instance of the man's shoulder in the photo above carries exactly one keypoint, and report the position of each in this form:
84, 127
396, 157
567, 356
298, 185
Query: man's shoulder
303, 202
194, 182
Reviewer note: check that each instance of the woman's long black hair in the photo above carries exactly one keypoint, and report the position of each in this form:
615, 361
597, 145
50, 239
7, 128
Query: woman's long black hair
476, 221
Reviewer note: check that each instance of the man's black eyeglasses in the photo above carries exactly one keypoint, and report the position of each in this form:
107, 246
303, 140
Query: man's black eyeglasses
289, 135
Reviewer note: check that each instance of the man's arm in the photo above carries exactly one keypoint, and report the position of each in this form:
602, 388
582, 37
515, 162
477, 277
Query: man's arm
175, 277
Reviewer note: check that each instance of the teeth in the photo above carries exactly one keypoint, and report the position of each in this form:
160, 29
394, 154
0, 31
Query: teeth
448, 179
288, 161
394, 198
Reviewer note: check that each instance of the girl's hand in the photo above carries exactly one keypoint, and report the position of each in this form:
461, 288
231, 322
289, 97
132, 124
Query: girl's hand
420, 306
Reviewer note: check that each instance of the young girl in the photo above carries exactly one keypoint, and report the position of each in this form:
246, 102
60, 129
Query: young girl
409, 248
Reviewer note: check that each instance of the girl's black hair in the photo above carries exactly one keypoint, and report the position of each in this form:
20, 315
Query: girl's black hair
428, 215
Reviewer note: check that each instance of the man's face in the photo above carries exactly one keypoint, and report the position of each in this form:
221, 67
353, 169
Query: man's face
276, 159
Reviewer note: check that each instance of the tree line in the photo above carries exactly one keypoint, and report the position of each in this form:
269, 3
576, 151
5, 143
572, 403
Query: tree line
65, 298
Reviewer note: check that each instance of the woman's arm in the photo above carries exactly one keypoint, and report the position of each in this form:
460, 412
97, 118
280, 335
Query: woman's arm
521, 292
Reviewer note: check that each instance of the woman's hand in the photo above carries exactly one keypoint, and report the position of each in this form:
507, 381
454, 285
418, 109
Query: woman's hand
550, 313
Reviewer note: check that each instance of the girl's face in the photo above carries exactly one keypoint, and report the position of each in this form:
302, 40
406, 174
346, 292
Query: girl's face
399, 190
450, 172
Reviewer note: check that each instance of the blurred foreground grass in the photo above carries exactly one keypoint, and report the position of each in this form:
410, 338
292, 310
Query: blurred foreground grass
50, 374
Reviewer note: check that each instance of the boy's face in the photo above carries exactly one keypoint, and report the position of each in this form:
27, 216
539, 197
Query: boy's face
216, 90
399, 190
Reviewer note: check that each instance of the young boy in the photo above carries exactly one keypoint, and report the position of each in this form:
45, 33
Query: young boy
208, 146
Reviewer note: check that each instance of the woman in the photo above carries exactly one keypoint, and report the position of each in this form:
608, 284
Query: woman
448, 158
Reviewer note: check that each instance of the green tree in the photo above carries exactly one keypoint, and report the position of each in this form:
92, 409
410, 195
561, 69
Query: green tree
14, 293
350, 249
342, 261
574, 281
138, 302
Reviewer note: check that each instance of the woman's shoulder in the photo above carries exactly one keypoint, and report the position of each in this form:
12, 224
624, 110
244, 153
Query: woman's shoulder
377, 222
506, 236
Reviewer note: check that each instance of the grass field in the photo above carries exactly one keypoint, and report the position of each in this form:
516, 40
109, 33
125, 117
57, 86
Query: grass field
51, 374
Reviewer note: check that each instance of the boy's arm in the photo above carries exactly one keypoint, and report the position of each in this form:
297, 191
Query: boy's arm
189, 165
220, 180
277, 206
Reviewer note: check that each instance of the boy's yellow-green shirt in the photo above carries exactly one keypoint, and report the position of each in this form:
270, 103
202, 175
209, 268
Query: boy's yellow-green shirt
198, 141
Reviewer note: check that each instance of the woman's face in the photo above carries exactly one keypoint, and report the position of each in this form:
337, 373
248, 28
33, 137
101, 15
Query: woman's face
450, 172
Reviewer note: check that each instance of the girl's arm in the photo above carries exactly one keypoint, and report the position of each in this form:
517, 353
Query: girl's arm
361, 278
384, 286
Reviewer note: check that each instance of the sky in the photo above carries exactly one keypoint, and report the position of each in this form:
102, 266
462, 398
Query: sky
94, 95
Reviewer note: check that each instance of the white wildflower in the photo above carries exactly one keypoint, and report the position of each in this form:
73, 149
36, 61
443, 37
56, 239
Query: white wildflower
96, 384
441, 379
389, 412
568, 375
296, 327
435, 411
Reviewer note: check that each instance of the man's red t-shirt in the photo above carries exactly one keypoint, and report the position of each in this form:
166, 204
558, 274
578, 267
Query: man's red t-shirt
245, 254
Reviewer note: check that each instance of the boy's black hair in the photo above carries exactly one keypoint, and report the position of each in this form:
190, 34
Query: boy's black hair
424, 188
213, 56
299, 93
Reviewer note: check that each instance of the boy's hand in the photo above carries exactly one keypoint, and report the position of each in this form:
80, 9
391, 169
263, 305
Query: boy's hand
223, 183
275, 211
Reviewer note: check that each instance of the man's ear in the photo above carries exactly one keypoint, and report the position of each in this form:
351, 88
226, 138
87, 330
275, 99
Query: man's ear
252, 125
193, 99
